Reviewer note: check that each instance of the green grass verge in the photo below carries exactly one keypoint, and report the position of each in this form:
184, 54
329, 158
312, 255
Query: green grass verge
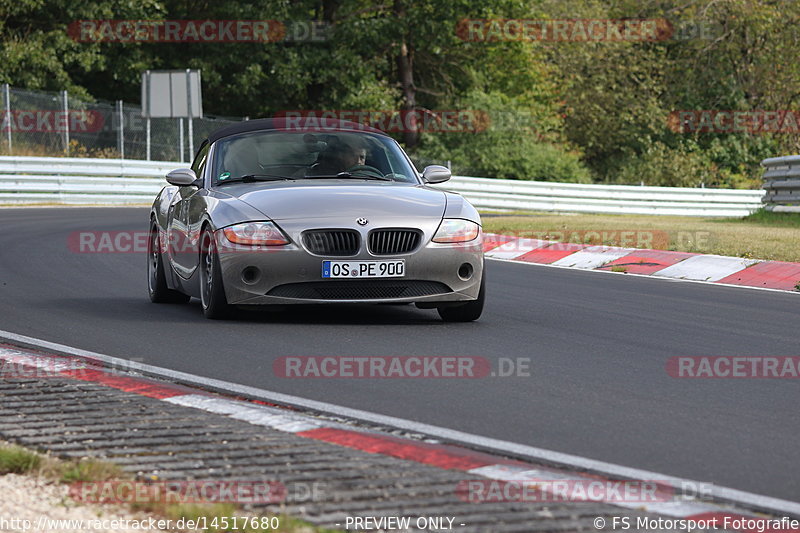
776, 220
17, 460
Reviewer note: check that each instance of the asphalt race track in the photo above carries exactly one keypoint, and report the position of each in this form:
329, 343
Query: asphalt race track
598, 345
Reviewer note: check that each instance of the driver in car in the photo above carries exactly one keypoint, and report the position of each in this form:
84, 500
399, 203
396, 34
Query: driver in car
354, 156
340, 157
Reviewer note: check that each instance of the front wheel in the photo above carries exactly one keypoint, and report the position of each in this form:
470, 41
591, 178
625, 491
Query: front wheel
156, 277
212, 290
466, 312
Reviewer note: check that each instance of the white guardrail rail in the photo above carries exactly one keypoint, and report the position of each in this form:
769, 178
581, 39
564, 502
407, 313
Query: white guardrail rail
782, 183
57, 180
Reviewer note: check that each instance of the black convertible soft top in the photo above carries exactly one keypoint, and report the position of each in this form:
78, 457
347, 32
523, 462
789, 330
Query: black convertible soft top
298, 124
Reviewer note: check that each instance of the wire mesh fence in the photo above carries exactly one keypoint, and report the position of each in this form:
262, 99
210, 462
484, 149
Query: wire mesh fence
38, 123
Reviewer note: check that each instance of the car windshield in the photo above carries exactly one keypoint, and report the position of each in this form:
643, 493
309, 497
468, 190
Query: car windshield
302, 155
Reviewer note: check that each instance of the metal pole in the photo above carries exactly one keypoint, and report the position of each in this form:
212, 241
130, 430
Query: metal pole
180, 138
147, 105
7, 98
189, 112
66, 120
121, 130
191, 141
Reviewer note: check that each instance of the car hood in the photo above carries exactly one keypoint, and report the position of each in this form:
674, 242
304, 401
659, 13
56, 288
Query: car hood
333, 199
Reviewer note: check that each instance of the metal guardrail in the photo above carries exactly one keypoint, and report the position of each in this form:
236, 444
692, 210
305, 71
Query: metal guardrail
491, 193
36, 180
75, 180
782, 184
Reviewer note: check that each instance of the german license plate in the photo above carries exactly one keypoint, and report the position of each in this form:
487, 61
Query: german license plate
364, 269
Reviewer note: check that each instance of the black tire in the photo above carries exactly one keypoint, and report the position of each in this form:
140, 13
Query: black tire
157, 287
212, 289
465, 312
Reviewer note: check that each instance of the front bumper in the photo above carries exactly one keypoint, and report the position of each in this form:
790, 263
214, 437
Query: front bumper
292, 275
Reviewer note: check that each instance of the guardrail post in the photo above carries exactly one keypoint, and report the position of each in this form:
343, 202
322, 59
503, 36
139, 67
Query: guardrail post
147, 142
65, 106
7, 107
180, 138
120, 130
190, 148
189, 113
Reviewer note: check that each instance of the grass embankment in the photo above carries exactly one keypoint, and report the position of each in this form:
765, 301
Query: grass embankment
762, 235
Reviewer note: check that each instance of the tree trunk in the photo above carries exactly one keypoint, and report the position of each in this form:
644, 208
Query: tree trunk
315, 91
405, 71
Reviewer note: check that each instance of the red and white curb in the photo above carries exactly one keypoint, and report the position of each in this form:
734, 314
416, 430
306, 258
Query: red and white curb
776, 275
89, 366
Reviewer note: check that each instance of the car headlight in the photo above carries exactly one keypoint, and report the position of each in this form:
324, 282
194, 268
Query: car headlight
456, 230
256, 233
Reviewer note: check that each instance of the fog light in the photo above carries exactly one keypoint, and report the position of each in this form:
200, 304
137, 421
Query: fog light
251, 275
465, 271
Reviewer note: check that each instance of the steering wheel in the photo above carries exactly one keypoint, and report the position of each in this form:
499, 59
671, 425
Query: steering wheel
365, 169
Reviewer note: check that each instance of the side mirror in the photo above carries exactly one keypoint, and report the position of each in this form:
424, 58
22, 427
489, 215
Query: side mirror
182, 177
436, 174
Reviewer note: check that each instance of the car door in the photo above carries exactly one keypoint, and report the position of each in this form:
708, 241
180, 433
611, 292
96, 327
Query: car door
183, 231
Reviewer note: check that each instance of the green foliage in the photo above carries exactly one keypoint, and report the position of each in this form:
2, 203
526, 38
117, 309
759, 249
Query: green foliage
16, 460
769, 218
508, 155
89, 470
511, 143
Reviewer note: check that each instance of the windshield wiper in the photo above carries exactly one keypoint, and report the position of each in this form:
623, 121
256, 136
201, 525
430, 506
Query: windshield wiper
250, 178
351, 175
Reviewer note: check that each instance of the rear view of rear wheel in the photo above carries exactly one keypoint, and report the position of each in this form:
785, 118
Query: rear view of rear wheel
156, 278
212, 291
466, 312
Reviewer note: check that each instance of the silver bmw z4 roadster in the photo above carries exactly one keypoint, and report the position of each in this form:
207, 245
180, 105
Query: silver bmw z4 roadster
282, 211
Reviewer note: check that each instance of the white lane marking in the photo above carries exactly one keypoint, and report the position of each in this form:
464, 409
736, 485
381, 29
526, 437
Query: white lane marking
757, 501
706, 267
642, 276
516, 248
259, 415
50, 366
593, 257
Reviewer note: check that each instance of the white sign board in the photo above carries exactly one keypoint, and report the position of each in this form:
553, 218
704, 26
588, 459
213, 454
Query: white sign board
171, 94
